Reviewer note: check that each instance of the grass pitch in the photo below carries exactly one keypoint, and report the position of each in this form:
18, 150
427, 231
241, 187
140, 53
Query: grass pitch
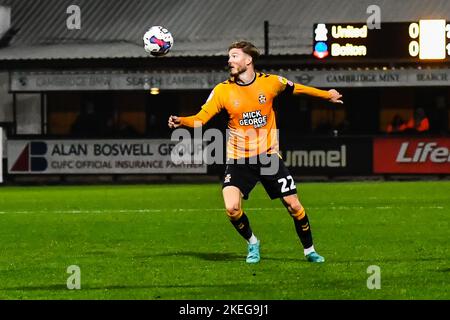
175, 242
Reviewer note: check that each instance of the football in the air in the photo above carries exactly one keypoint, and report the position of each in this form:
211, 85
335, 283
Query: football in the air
158, 41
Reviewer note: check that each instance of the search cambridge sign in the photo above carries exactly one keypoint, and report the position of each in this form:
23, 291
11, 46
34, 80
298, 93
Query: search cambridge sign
79, 80
96, 157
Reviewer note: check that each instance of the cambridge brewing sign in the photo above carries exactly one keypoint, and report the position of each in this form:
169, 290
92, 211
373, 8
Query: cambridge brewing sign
113, 80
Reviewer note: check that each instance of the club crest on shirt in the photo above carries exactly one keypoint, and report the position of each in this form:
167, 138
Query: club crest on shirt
262, 98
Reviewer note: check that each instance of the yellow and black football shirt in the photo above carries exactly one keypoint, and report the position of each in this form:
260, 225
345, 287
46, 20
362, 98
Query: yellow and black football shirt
252, 124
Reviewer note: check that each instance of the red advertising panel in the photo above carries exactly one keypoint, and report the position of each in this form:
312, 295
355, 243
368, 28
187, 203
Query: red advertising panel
411, 155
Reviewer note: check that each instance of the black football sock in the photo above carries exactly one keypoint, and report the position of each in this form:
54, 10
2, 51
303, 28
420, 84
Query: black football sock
242, 225
303, 228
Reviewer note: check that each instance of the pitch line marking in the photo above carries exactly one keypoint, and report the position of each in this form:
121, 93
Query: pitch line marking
204, 209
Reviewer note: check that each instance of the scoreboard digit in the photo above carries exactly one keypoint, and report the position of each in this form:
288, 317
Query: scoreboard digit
429, 39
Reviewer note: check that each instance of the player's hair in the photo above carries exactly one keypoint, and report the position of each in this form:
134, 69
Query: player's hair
247, 47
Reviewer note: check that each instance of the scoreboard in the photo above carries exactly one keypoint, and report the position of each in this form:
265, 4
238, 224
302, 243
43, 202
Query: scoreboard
424, 40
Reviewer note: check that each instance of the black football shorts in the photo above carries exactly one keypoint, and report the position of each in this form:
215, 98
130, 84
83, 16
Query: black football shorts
271, 171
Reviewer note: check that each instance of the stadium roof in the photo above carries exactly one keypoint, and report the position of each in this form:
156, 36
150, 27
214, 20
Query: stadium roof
114, 28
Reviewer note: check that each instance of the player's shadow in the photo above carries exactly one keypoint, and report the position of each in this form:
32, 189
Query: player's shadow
215, 256
208, 256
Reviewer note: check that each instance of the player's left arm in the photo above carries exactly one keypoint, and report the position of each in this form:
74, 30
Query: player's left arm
282, 85
331, 95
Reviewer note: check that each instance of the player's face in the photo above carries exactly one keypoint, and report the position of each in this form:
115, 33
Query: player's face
238, 61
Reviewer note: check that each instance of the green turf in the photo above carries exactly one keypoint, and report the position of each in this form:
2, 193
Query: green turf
175, 242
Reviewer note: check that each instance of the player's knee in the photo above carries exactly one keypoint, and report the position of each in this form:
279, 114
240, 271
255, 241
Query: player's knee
296, 210
294, 207
234, 212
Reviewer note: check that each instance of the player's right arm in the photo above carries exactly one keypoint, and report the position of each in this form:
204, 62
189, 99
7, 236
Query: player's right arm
212, 106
